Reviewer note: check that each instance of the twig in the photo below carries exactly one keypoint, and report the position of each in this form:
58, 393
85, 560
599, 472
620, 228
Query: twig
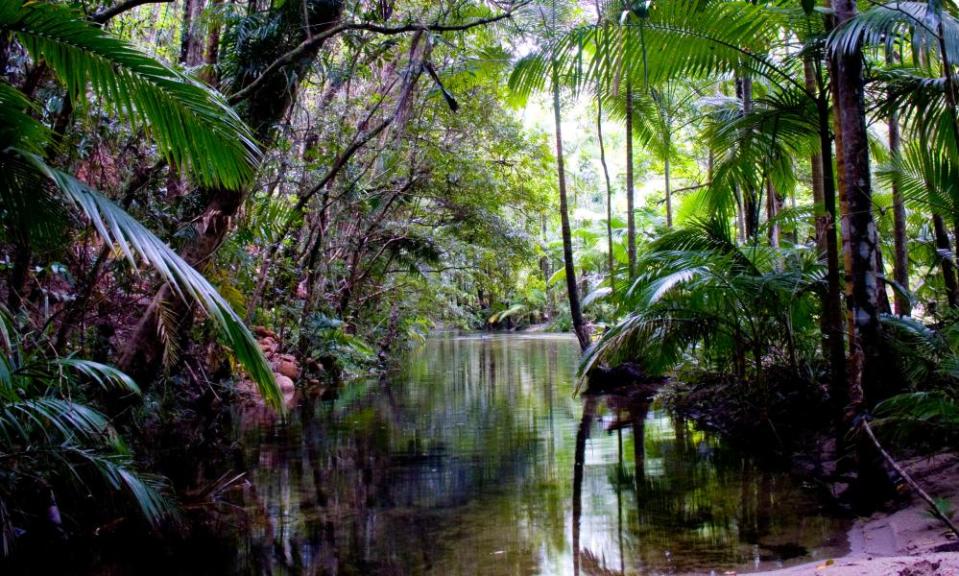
315, 41
864, 424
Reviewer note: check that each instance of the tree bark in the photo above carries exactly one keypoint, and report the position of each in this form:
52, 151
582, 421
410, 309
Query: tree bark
669, 195
744, 89
191, 41
212, 56
575, 310
901, 259
142, 353
826, 233
773, 207
609, 194
602, 160
630, 186
863, 306
948, 268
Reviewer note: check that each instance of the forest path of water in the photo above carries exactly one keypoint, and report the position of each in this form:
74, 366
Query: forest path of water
464, 461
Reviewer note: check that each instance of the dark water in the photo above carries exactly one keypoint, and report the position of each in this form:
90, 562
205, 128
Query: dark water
465, 461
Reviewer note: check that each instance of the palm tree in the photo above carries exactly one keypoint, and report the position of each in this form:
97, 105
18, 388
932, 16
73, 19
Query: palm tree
710, 40
662, 113
192, 126
519, 82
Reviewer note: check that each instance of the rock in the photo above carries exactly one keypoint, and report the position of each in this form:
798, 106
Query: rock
264, 332
285, 384
269, 345
287, 365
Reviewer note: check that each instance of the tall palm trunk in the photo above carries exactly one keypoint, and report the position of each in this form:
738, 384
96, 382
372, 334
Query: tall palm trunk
602, 159
827, 243
669, 195
609, 193
575, 311
191, 43
948, 268
773, 207
744, 90
901, 259
630, 191
863, 306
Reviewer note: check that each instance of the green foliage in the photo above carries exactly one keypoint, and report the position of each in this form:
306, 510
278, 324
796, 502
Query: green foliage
732, 306
192, 125
52, 440
327, 339
184, 118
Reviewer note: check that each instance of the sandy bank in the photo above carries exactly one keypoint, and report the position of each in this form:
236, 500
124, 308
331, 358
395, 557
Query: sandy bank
904, 542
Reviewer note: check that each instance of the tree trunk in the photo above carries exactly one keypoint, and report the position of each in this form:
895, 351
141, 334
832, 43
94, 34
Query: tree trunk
826, 230
143, 351
191, 41
773, 207
901, 256
669, 198
948, 268
602, 159
609, 193
575, 311
630, 190
863, 306
212, 56
744, 89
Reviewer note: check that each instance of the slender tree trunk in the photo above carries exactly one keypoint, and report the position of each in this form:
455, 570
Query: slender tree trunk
773, 206
744, 89
575, 311
901, 260
863, 306
669, 195
832, 304
609, 193
630, 190
883, 297
191, 42
740, 216
948, 268
212, 56
602, 159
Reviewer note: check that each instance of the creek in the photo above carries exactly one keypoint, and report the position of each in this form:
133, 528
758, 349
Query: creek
475, 457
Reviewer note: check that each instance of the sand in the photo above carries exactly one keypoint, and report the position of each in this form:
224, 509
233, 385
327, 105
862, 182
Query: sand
904, 542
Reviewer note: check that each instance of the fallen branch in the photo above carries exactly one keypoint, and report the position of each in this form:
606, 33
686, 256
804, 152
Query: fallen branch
864, 424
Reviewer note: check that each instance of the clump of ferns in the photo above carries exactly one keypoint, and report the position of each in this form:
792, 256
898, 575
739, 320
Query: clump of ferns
57, 451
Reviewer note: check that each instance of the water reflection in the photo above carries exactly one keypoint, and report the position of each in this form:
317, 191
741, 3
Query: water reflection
475, 458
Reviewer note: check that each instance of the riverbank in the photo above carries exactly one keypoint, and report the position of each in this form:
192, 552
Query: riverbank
906, 541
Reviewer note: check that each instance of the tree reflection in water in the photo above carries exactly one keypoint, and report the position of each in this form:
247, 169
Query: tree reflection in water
475, 458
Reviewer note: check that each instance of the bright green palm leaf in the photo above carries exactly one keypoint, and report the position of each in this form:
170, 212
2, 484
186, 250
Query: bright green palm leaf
193, 125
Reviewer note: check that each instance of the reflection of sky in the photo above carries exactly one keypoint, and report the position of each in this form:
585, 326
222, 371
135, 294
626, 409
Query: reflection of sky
462, 463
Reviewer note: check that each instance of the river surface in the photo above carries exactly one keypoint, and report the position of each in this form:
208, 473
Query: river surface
475, 458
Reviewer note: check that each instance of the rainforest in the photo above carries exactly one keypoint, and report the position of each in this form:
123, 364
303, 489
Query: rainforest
491, 287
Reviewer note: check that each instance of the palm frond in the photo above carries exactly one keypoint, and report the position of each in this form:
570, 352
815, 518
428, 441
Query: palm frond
115, 226
193, 126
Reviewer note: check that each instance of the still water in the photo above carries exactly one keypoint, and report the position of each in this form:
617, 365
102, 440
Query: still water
474, 458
